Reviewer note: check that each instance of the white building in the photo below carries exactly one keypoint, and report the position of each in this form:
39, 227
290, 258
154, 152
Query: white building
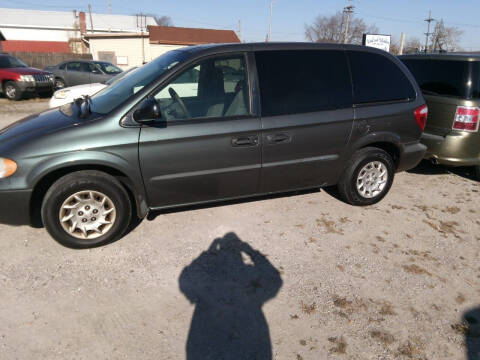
57, 31
134, 49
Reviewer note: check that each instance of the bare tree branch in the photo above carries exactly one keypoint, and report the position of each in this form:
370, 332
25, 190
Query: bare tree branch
331, 29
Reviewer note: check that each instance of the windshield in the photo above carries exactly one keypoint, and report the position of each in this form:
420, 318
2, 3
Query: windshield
117, 93
11, 62
120, 76
108, 68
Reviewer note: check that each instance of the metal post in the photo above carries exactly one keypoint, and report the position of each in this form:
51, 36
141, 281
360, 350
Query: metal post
402, 44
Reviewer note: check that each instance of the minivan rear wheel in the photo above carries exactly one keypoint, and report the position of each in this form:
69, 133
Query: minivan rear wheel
476, 172
86, 209
368, 177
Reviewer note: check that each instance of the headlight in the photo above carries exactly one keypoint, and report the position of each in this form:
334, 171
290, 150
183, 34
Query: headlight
27, 78
61, 94
7, 168
51, 77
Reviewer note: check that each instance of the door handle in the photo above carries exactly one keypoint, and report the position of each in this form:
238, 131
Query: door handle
278, 138
245, 141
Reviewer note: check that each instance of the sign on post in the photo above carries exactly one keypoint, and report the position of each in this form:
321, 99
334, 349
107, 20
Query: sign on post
378, 41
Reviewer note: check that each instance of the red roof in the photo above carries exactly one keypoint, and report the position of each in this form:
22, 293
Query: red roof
190, 36
35, 46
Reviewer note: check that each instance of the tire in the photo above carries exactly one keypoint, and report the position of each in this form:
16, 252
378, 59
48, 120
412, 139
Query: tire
372, 162
476, 172
59, 83
12, 91
91, 187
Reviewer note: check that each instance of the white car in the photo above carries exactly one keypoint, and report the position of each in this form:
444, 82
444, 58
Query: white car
68, 95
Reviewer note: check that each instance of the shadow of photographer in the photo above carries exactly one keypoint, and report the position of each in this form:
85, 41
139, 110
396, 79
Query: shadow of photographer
471, 320
229, 283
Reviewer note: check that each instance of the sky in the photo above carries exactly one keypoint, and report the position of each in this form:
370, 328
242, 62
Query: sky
289, 16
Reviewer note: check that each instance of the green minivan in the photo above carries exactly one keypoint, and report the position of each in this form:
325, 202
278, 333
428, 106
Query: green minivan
451, 86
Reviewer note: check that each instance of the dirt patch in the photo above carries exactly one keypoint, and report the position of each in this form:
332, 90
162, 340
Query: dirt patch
309, 309
328, 226
382, 336
415, 269
340, 345
413, 348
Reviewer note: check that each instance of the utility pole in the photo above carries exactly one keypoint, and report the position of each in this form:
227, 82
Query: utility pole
109, 7
428, 33
90, 14
240, 29
269, 37
348, 10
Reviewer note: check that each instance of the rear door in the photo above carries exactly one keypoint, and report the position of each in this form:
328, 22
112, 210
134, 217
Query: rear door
307, 116
384, 97
207, 145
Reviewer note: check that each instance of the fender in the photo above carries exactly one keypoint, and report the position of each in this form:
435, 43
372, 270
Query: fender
372, 138
77, 160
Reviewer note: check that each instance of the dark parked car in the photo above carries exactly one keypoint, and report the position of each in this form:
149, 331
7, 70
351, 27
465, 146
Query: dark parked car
78, 72
18, 79
451, 86
289, 117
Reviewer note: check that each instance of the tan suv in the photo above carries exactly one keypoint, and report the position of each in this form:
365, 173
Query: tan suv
451, 86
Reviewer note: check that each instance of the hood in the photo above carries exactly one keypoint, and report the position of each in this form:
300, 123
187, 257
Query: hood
37, 125
26, 71
86, 87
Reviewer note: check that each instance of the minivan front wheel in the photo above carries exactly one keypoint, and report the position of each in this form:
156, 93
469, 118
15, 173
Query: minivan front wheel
86, 209
367, 177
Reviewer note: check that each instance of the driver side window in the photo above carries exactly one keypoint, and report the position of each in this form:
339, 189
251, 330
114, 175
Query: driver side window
212, 88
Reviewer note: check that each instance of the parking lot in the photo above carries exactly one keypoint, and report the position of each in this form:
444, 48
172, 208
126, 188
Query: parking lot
397, 280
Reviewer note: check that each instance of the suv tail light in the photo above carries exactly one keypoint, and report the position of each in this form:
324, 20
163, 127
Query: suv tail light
421, 114
466, 118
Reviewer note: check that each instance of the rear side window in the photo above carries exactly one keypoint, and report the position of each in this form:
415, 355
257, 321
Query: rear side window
303, 81
378, 79
444, 77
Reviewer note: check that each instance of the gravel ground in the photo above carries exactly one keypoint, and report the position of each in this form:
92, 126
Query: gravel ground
302, 277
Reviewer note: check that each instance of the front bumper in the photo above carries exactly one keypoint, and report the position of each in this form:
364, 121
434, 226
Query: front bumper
15, 207
453, 149
411, 155
43, 86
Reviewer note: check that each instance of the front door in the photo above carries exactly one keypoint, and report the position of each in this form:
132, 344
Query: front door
307, 117
206, 146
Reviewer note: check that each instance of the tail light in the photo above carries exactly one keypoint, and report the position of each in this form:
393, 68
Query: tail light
421, 114
466, 118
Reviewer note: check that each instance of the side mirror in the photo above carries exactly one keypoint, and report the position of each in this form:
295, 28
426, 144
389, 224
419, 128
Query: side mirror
148, 111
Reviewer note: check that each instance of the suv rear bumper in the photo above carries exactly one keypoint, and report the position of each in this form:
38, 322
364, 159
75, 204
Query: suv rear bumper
15, 207
453, 149
410, 157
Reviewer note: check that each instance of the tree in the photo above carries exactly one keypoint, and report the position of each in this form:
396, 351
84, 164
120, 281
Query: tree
163, 20
331, 29
412, 45
445, 38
